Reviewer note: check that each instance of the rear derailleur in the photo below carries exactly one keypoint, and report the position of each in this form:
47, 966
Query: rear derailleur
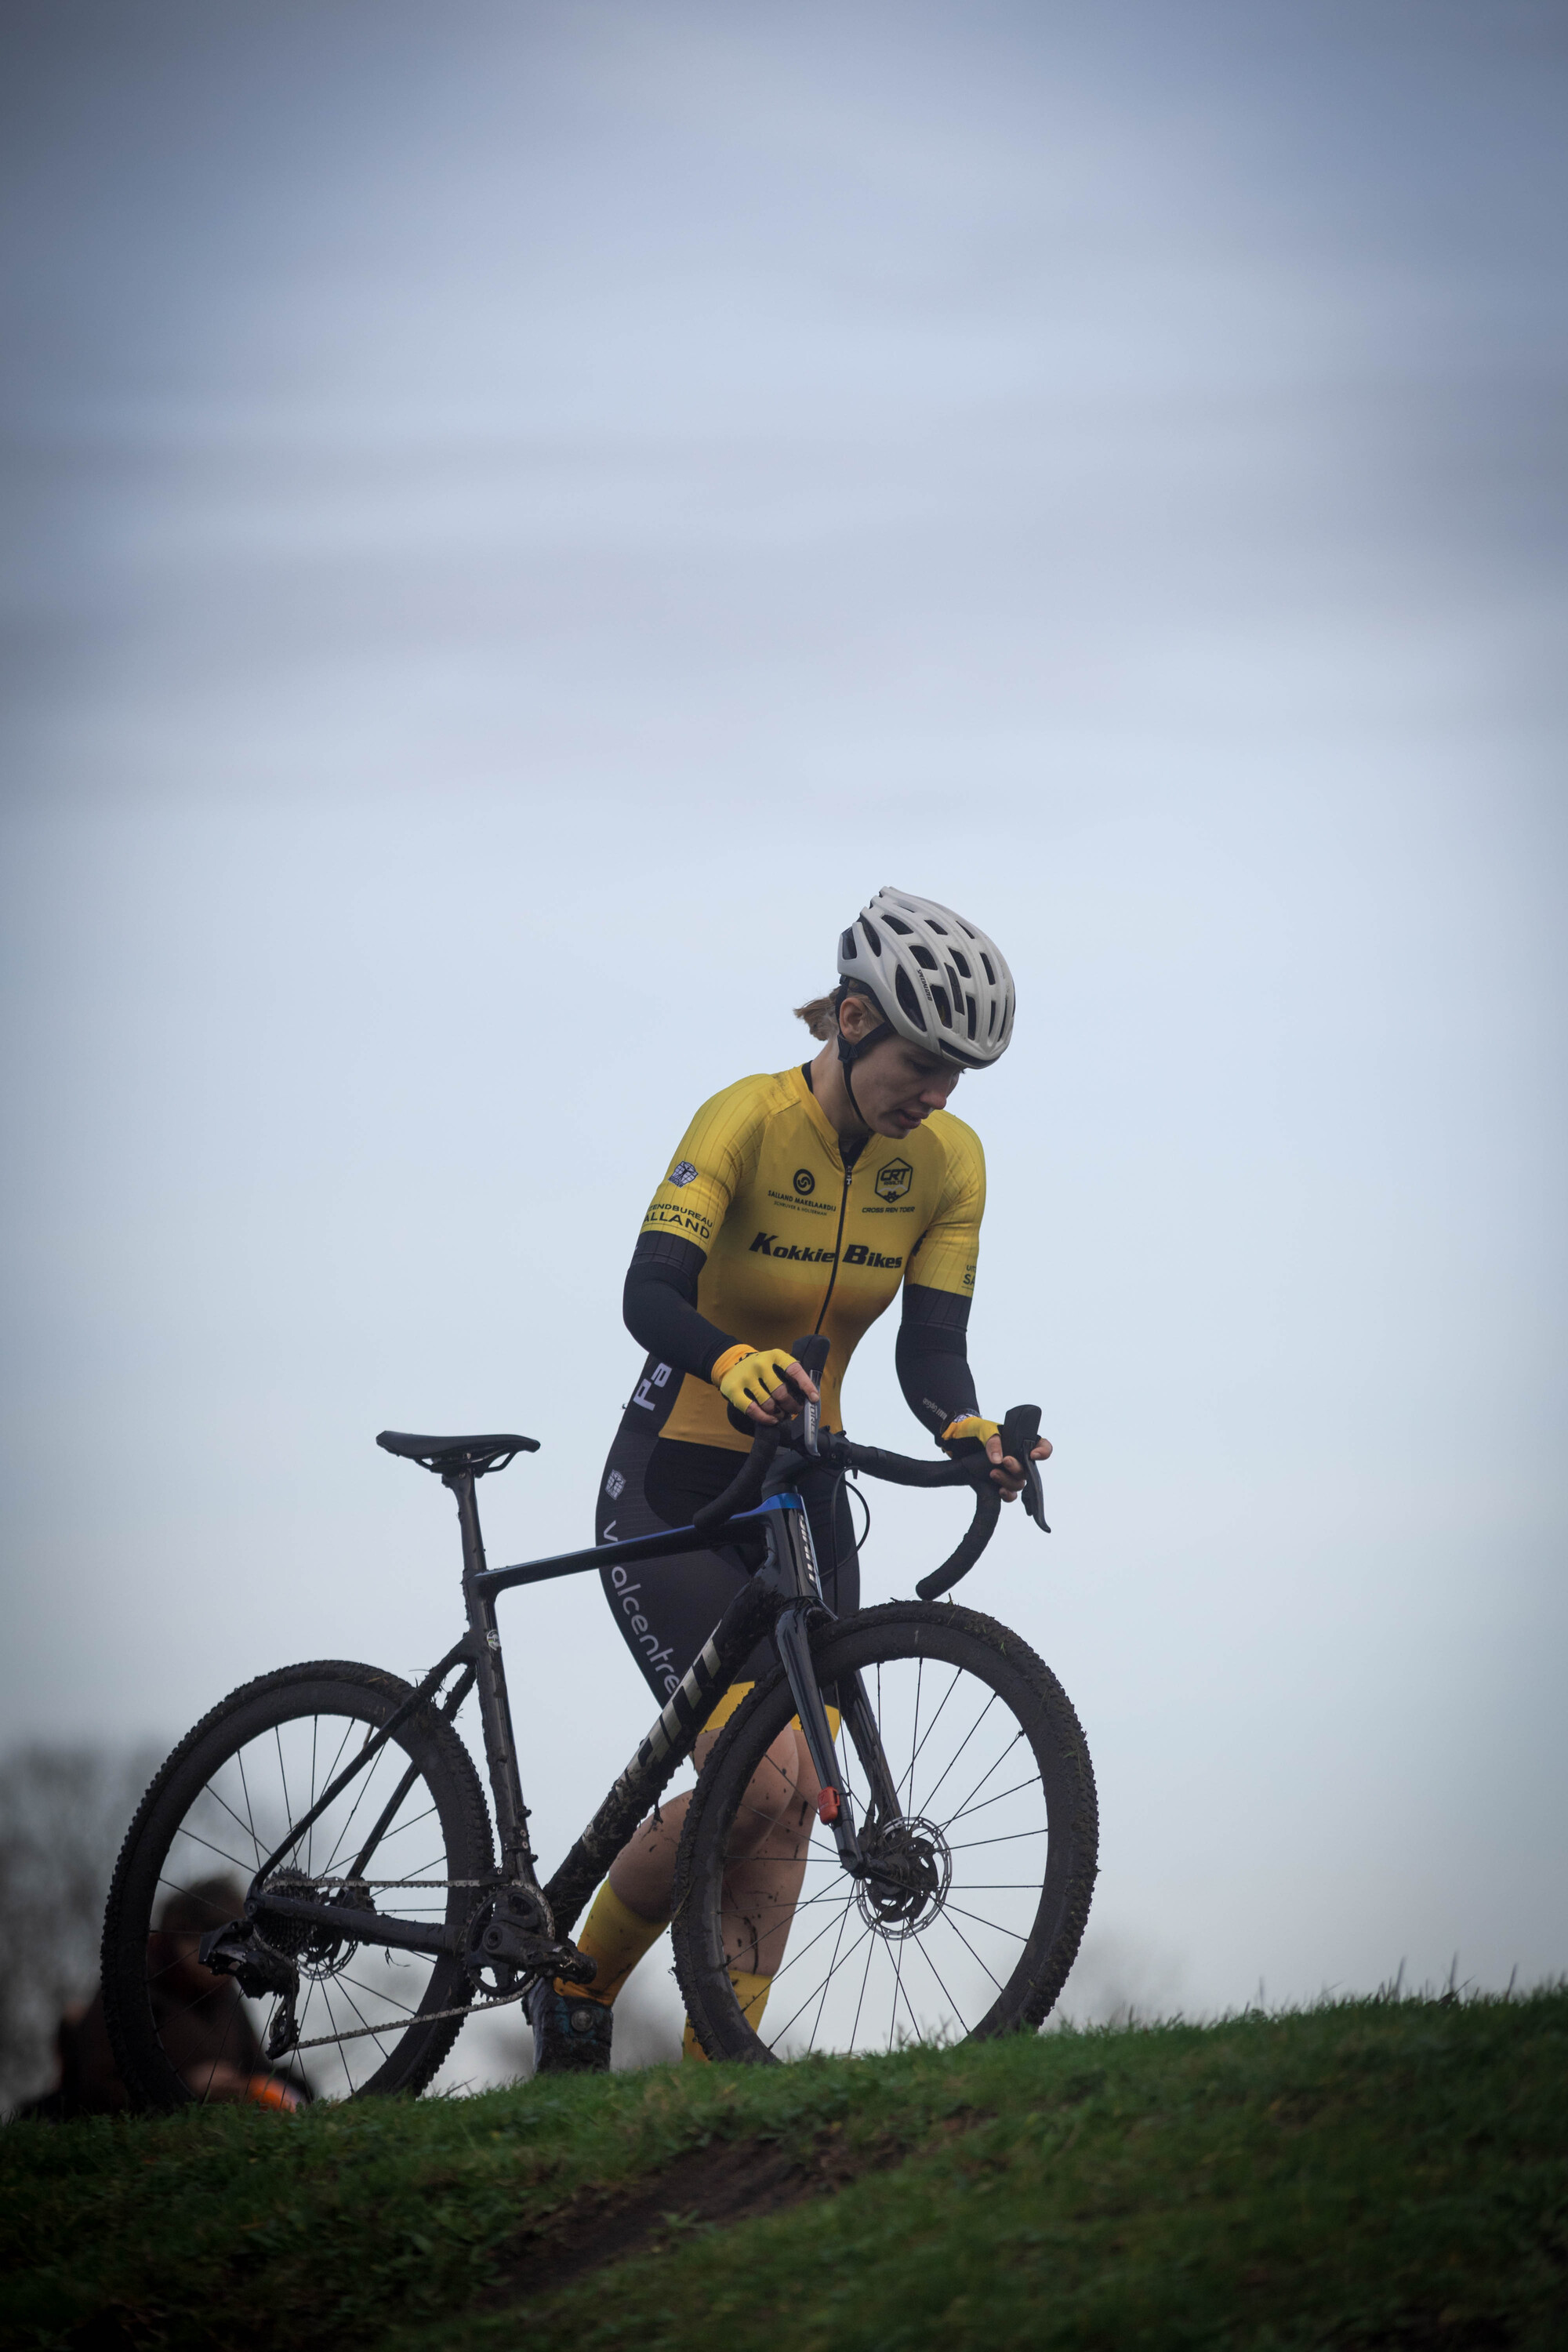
262, 1972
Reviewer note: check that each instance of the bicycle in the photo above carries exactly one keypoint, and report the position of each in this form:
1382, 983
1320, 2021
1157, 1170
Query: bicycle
327, 1789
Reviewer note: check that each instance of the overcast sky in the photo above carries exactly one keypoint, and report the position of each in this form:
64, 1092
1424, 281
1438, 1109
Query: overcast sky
519, 518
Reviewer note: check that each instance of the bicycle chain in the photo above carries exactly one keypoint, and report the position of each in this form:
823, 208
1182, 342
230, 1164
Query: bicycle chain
506, 1883
426, 2017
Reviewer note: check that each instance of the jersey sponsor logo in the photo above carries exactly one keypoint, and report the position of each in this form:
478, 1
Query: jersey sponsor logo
770, 1245
683, 1172
806, 1205
894, 1180
682, 1220
658, 1378
857, 1254
804, 1181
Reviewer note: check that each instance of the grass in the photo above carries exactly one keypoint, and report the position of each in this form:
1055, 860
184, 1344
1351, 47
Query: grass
1373, 2173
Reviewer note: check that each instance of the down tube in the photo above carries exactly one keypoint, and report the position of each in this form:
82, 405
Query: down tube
660, 1755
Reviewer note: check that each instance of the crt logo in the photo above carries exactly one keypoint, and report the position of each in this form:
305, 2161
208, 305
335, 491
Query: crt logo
894, 1180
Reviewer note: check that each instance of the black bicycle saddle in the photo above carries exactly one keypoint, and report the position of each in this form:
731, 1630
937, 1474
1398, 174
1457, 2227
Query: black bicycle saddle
447, 1454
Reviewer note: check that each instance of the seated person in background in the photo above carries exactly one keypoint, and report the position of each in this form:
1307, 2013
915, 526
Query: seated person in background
202, 2020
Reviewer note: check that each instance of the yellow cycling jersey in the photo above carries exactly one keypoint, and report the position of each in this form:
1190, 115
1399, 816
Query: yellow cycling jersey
795, 1243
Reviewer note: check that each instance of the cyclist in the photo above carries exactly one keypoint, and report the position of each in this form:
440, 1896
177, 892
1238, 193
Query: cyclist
803, 1200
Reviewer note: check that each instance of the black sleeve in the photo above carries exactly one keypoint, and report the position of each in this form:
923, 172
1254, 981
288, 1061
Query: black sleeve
660, 1304
932, 1357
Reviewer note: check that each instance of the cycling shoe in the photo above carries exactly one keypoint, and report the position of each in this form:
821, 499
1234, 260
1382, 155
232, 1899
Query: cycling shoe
571, 2036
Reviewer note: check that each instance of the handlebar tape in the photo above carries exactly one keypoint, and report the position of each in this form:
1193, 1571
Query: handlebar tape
744, 1489
981, 1528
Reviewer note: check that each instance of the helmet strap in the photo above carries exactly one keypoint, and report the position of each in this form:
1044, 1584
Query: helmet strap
848, 1054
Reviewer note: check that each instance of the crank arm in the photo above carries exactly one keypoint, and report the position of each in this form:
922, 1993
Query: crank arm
832, 1804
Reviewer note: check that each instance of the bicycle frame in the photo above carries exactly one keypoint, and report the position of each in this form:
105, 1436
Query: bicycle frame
780, 1598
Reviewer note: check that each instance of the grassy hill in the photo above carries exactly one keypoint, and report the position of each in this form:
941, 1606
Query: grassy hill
1371, 2173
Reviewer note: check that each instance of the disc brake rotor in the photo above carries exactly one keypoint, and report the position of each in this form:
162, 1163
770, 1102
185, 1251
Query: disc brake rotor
909, 1872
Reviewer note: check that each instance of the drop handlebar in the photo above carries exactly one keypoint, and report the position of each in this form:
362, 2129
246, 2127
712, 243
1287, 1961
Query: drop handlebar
1019, 1433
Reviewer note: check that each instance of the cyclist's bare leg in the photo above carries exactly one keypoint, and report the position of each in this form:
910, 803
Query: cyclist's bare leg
643, 1873
762, 1885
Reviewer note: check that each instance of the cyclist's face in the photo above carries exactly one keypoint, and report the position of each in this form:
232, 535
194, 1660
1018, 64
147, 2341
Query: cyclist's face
897, 1086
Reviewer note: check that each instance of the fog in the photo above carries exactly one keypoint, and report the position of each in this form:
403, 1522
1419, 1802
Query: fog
521, 519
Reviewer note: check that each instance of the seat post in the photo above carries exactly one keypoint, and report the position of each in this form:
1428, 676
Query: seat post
495, 1709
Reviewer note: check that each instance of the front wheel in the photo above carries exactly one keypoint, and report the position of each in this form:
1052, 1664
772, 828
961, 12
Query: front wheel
370, 2019
978, 1822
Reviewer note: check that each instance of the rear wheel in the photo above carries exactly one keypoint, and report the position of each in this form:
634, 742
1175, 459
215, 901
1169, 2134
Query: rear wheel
983, 1867
223, 1803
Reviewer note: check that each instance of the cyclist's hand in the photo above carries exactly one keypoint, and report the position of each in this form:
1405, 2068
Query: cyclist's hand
761, 1379
1005, 1471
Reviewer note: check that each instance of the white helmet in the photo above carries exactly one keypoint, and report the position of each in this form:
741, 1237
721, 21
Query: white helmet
933, 977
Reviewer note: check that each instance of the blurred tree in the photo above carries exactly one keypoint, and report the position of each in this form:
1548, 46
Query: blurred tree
63, 1813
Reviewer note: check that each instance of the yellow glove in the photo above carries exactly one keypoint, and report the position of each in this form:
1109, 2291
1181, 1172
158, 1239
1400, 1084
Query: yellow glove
969, 1424
745, 1375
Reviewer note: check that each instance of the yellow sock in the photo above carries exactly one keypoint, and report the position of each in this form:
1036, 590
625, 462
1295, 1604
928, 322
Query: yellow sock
616, 1937
752, 1992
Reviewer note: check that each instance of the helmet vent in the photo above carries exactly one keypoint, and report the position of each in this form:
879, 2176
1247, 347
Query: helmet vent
961, 963
905, 989
924, 958
874, 943
939, 997
846, 947
990, 974
893, 924
970, 1003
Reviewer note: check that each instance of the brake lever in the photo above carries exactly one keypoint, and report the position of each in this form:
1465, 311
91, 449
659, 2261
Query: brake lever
801, 1429
1020, 1434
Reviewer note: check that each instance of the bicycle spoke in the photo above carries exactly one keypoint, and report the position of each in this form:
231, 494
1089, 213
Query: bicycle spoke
925, 1954
374, 2032
1011, 1837
915, 1733
374, 1992
314, 1790
898, 1987
828, 1980
223, 1857
283, 1774
996, 1926
930, 1797
998, 1886
997, 1799
865, 1937
218, 1798
806, 1949
996, 1766
341, 1839
855, 2028
931, 1727
250, 1818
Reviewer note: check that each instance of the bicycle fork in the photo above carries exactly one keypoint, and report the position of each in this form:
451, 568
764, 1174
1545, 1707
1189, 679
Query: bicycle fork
792, 1568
